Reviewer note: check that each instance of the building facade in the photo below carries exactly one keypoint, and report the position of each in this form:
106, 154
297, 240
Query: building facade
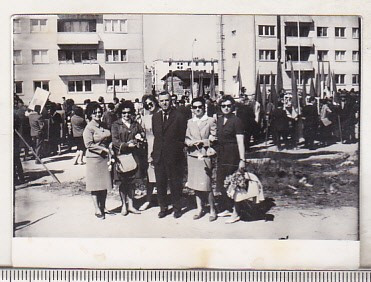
311, 44
78, 56
163, 67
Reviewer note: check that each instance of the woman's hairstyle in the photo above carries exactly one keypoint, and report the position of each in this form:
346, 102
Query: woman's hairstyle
199, 99
151, 98
127, 104
78, 111
227, 98
91, 107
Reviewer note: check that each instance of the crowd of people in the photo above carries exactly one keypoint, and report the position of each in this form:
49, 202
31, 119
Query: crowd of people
162, 139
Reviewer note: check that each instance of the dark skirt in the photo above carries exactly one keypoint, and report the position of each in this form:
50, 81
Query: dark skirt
79, 143
227, 164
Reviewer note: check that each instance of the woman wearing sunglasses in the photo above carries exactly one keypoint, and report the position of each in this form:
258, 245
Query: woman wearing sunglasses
231, 154
150, 104
127, 138
201, 132
96, 140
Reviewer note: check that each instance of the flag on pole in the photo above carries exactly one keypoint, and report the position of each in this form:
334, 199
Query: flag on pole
312, 90
114, 86
273, 97
264, 97
212, 86
328, 82
322, 81
279, 78
238, 82
294, 90
335, 97
317, 84
201, 84
258, 97
172, 82
304, 93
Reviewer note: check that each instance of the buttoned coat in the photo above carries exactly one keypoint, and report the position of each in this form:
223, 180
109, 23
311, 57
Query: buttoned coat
169, 137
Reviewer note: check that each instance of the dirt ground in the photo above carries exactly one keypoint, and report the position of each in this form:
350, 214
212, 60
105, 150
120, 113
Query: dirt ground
309, 195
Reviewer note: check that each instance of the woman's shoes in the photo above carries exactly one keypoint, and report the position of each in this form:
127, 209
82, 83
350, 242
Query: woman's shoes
108, 212
124, 212
233, 219
99, 215
198, 215
133, 210
144, 206
225, 213
213, 217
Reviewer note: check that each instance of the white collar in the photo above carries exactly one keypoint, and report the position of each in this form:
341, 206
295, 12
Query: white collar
203, 118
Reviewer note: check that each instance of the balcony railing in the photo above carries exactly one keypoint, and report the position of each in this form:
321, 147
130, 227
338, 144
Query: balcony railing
77, 38
78, 69
302, 65
302, 41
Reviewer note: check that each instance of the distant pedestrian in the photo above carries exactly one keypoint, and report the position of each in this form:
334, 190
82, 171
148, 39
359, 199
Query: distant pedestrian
37, 127
310, 120
78, 125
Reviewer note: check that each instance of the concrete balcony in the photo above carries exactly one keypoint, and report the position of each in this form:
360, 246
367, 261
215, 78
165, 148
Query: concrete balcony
77, 38
299, 41
302, 66
79, 69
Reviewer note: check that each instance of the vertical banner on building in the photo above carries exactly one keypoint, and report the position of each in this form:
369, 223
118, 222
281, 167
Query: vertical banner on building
39, 98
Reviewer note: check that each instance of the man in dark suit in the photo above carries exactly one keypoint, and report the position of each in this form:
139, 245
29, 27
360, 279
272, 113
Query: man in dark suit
169, 128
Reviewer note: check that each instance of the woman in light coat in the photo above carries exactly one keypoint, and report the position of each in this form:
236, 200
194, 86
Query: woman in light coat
201, 132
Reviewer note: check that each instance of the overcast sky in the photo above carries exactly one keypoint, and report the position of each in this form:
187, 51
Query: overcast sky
171, 36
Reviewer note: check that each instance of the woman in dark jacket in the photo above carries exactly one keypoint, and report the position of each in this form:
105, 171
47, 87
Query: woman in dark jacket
78, 124
127, 138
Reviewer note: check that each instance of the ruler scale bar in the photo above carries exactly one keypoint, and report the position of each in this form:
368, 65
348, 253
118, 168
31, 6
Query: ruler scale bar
53, 275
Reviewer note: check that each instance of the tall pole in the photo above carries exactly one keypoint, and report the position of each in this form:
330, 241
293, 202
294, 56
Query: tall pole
192, 78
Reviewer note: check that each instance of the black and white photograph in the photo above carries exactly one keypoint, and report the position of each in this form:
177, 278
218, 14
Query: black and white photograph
186, 126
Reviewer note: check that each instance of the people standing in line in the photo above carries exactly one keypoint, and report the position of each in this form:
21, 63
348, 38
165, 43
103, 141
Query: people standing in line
201, 132
347, 113
37, 126
127, 137
150, 103
98, 177
279, 126
169, 128
109, 116
310, 121
78, 125
231, 155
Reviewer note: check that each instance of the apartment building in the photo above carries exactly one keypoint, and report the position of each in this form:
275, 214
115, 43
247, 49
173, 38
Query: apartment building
78, 56
163, 67
309, 43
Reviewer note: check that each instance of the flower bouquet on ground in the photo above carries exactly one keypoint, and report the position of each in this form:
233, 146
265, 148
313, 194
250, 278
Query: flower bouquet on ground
243, 185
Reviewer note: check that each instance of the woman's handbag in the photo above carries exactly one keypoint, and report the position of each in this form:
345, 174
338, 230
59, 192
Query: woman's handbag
126, 163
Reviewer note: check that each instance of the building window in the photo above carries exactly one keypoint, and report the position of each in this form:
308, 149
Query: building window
355, 56
79, 86
322, 55
40, 57
117, 56
267, 55
322, 31
16, 26
39, 25
77, 26
340, 78
41, 84
266, 30
77, 56
189, 63
340, 32
266, 78
233, 32
234, 55
115, 26
121, 85
339, 56
17, 57
355, 32
291, 30
355, 79
18, 87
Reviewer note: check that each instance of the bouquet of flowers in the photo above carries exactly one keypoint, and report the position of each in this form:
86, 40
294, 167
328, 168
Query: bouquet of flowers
236, 182
243, 185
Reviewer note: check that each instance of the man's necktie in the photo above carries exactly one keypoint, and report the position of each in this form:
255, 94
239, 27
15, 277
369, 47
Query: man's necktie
165, 117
